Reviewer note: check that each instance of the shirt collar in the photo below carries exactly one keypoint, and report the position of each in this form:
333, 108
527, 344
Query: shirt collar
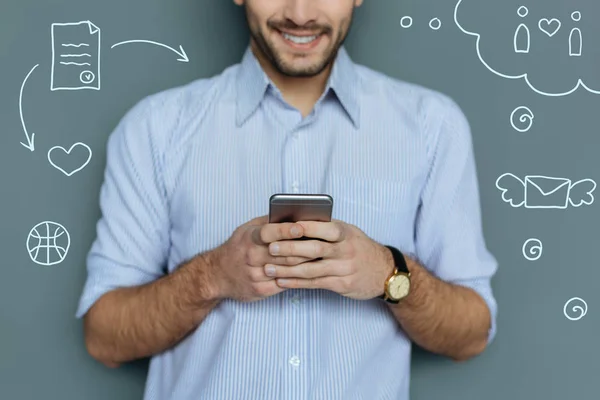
345, 83
252, 83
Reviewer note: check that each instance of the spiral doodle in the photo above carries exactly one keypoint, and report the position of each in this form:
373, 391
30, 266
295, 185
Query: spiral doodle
578, 309
525, 119
532, 249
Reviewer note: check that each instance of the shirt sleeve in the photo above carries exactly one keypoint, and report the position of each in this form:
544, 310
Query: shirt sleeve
448, 233
132, 235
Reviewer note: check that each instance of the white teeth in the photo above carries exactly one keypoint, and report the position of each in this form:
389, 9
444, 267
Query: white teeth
299, 39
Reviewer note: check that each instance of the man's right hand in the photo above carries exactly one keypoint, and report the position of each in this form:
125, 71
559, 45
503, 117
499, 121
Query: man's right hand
238, 270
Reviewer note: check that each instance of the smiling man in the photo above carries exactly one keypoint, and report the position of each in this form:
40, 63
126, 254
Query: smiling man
187, 270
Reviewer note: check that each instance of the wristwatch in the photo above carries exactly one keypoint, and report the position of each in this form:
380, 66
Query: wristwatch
397, 285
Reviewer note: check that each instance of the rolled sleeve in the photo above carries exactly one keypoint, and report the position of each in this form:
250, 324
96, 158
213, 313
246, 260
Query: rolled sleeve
132, 235
448, 232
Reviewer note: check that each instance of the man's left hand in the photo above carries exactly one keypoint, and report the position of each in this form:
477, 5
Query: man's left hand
351, 263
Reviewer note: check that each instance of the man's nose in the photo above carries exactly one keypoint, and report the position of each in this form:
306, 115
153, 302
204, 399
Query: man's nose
301, 12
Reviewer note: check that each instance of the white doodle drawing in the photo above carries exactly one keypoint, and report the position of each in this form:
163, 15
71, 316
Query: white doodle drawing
75, 56
525, 76
435, 24
575, 37
30, 139
538, 191
181, 53
61, 149
549, 26
48, 243
525, 118
532, 249
522, 38
579, 309
406, 21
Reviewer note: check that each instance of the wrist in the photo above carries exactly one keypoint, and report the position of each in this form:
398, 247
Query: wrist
209, 278
195, 281
388, 269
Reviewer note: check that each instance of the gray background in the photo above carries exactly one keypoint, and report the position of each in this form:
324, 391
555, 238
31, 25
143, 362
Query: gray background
538, 353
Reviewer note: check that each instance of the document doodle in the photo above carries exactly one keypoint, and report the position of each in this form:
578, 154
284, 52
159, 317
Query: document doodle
48, 243
64, 154
538, 191
75, 56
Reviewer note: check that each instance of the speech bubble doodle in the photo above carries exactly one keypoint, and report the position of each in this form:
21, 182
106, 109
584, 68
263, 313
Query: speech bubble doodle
548, 54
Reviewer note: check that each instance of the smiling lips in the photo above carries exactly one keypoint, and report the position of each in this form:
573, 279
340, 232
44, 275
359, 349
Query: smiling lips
301, 42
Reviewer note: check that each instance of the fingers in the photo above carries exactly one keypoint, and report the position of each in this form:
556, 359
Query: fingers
266, 289
310, 249
267, 233
308, 270
333, 231
287, 260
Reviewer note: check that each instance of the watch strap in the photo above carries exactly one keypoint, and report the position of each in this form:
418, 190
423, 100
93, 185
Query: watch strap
399, 266
399, 260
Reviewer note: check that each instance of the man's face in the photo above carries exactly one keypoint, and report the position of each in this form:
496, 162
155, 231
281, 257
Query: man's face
299, 37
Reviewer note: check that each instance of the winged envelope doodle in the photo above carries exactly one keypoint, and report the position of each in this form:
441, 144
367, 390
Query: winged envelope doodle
537, 191
546, 192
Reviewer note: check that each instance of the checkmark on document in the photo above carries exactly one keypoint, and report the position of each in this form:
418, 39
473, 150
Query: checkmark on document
75, 56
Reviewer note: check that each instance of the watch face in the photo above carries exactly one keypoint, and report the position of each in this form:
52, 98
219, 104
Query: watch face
399, 287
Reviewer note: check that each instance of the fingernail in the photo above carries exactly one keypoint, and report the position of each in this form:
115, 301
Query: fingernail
270, 270
295, 231
275, 248
283, 281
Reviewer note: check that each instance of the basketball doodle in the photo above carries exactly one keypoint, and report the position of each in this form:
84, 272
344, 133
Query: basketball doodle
48, 243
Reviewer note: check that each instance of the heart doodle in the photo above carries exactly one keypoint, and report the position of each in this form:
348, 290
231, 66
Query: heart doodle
56, 149
549, 26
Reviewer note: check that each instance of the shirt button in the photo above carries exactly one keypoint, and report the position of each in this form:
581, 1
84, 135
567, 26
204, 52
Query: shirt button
294, 135
295, 361
295, 187
295, 300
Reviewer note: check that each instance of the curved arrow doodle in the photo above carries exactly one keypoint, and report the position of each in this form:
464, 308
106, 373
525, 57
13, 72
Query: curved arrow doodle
30, 145
182, 54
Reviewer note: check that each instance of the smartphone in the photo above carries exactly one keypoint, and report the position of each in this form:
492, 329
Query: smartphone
288, 207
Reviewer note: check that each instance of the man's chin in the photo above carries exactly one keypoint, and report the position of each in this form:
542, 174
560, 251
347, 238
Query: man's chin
298, 66
300, 72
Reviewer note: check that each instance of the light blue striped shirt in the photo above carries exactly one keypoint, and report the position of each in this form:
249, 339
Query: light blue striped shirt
187, 166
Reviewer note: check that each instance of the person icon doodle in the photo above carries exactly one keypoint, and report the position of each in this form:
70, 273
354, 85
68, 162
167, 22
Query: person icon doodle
522, 35
575, 38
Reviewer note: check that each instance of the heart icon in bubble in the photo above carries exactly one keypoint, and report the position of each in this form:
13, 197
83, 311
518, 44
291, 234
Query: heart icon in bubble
549, 26
60, 154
